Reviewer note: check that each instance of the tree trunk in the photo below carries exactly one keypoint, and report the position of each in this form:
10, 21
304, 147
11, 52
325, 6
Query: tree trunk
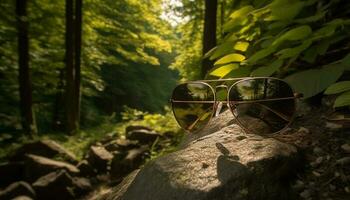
25, 83
78, 41
70, 111
58, 113
209, 37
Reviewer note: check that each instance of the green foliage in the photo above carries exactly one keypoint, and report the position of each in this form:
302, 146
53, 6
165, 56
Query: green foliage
126, 52
160, 123
302, 41
339, 87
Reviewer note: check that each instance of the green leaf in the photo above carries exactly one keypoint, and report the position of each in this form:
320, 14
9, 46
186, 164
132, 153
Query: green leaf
346, 62
342, 100
230, 58
242, 12
222, 50
338, 87
298, 33
240, 72
291, 52
224, 70
323, 32
260, 54
313, 81
312, 18
268, 70
241, 46
284, 10
210, 53
237, 18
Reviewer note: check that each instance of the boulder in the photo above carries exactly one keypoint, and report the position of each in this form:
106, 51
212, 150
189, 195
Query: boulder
45, 148
86, 170
17, 189
99, 158
22, 198
11, 172
121, 144
55, 185
143, 136
60, 185
224, 164
136, 127
81, 186
37, 166
121, 166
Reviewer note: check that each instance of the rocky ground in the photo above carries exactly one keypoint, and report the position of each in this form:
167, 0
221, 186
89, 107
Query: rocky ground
315, 154
45, 170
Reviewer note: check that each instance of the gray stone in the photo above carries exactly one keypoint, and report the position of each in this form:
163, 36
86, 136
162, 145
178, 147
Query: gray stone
121, 144
99, 158
22, 198
217, 165
143, 136
81, 186
136, 127
45, 148
37, 166
17, 189
86, 169
11, 172
344, 161
55, 185
121, 166
346, 148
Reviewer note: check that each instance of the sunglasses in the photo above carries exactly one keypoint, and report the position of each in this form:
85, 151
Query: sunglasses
260, 105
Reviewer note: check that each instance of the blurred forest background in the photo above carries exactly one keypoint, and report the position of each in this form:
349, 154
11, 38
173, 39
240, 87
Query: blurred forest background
75, 70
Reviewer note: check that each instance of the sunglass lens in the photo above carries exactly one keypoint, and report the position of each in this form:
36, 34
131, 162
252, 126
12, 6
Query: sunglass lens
193, 105
263, 105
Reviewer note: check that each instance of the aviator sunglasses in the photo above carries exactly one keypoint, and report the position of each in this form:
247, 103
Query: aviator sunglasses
263, 105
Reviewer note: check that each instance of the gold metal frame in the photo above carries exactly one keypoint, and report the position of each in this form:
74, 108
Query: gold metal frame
232, 103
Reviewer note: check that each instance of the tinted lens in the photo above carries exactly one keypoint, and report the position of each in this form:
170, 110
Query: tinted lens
193, 105
262, 105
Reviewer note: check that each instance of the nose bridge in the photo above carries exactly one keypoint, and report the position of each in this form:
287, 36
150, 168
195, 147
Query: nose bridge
218, 89
221, 98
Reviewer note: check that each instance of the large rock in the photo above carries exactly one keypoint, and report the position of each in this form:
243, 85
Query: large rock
121, 165
121, 145
99, 158
17, 189
143, 136
11, 172
60, 185
223, 164
86, 170
45, 148
37, 166
55, 185
136, 127
22, 198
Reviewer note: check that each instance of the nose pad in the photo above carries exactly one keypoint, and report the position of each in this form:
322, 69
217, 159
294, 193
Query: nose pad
218, 109
233, 108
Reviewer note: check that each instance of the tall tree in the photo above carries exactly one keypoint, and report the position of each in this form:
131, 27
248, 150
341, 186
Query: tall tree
209, 37
73, 62
77, 58
25, 83
71, 118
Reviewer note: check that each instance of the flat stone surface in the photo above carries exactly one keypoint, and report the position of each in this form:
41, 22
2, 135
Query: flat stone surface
17, 189
45, 148
224, 164
99, 158
37, 166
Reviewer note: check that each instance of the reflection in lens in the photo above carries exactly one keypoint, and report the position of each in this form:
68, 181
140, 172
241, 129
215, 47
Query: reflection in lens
263, 105
193, 105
